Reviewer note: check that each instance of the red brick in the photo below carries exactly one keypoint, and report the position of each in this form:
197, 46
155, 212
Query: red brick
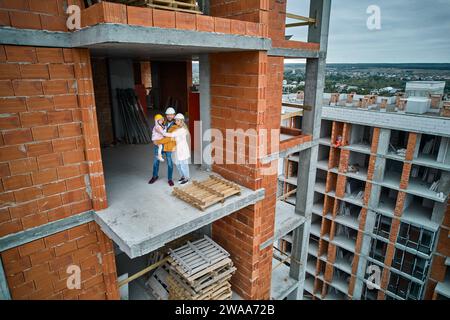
59, 213
61, 71
140, 16
205, 23
4, 215
23, 210
35, 220
75, 183
31, 247
32, 119
20, 54
252, 29
2, 53
65, 102
53, 23
222, 25
39, 149
9, 121
69, 130
9, 71
25, 20
65, 248
163, 18
17, 136
23, 166
17, 182
54, 188
74, 196
12, 153
6, 88
4, 19
58, 117
87, 240
52, 87
82, 206
10, 227
49, 161
12, 105
68, 172
61, 145
68, 56
27, 194
45, 133
47, 6
75, 156
51, 202
15, 4
43, 256
40, 103
56, 239
45, 176
185, 21
34, 71
238, 27
50, 55
4, 170
114, 12
27, 88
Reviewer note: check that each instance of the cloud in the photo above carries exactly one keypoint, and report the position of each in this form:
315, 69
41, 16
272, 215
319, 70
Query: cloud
411, 31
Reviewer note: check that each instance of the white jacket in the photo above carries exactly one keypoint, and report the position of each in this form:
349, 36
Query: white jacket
182, 139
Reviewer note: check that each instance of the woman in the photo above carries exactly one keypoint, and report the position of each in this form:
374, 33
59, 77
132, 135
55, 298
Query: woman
182, 150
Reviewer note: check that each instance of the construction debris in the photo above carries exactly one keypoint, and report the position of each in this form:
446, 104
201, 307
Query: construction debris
135, 126
198, 270
208, 192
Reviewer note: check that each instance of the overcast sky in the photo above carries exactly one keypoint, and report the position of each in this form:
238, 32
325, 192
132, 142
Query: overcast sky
411, 31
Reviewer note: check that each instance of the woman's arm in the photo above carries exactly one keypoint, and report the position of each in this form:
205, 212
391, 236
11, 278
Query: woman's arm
176, 133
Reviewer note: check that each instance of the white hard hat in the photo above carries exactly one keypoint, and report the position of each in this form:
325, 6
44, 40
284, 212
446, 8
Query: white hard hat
170, 110
179, 116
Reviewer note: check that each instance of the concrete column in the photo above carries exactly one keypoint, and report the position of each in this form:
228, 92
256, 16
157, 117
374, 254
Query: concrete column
205, 113
121, 77
365, 249
314, 87
383, 141
444, 151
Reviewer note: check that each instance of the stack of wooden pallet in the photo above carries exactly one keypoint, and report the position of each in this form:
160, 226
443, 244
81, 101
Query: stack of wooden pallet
205, 193
199, 270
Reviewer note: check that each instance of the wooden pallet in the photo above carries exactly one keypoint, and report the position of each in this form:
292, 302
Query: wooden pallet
208, 192
175, 5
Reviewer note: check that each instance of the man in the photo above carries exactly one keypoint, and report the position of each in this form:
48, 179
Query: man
169, 147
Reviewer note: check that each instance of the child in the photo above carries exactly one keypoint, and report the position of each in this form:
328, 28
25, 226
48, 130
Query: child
158, 133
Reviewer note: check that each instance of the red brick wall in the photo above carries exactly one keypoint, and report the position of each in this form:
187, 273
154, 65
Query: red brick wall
38, 269
49, 146
102, 100
238, 90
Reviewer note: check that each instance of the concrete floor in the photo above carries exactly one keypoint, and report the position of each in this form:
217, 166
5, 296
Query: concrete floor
142, 217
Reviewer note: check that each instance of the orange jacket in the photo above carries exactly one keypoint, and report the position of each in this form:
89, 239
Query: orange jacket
169, 143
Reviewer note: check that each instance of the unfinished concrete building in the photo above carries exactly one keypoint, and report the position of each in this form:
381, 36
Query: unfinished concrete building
381, 198
69, 198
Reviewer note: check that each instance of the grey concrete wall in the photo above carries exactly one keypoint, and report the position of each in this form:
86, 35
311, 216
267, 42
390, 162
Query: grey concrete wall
121, 77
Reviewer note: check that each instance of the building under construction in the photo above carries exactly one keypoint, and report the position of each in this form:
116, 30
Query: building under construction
380, 204
74, 193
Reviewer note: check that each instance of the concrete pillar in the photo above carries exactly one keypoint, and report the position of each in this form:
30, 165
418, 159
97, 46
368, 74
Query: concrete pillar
121, 77
204, 138
444, 151
383, 141
365, 249
314, 87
